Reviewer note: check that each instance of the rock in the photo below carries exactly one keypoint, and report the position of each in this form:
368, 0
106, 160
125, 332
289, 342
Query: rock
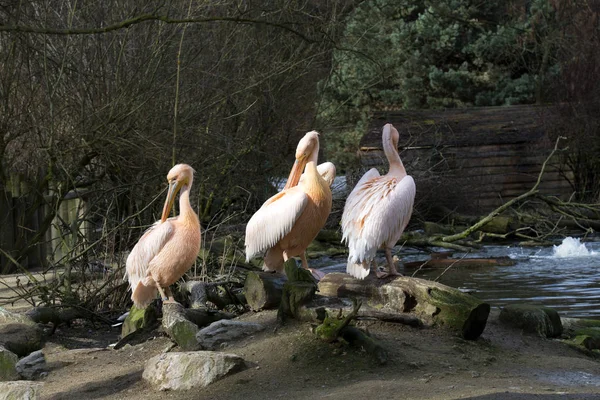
33, 366
21, 338
543, 321
188, 370
179, 328
7, 317
20, 390
8, 360
225, 331
139, 318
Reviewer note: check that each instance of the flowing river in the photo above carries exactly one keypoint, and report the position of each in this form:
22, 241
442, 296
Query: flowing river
565, 277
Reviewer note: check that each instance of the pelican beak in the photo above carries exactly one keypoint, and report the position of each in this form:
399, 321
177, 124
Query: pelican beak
174, 187
296, 173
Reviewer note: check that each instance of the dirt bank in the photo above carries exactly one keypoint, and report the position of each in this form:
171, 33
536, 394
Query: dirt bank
291, 363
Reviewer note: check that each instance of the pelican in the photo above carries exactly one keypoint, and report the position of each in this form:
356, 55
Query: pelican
286, 223
169, 248
377, 211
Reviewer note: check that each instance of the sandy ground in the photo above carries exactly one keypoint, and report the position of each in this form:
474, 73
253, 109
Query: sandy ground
292, 363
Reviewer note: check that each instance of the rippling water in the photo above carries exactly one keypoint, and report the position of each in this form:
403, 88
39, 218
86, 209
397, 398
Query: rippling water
568, 280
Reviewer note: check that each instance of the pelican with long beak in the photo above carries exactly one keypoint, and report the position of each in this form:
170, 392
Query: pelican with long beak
289, 221
169, 247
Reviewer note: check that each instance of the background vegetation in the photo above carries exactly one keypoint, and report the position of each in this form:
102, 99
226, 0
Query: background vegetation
98, 100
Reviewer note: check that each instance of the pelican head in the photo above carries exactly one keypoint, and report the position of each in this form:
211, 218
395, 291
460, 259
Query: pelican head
307, 150
391, 134
179, 176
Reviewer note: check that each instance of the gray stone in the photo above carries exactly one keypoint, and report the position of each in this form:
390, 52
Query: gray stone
8, 360
20, 390
21, 338
225, 331
193, 369
33, 366
543, 321
8, 317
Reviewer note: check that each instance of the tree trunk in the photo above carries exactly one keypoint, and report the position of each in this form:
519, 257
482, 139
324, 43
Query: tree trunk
263, 290
434, 303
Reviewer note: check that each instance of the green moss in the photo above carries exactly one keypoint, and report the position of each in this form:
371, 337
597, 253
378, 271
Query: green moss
184, 333
8, 361
543, 321
139, 318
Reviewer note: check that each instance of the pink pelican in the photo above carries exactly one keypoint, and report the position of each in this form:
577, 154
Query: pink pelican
377, 211
289, 221
169, 248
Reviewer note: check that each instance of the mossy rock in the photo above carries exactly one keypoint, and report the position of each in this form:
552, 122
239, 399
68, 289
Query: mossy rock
329, 236
8, 362
589, 342
139, 318
543, 321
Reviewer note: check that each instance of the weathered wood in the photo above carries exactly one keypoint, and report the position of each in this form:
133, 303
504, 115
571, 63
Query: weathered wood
461, 263
202, 318
320, 306
263, 290
433, 302
360, 339
297, 291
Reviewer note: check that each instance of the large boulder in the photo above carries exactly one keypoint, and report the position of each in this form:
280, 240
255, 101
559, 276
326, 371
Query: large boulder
20, 390
188, 370
542, 321
226, 331
8, 362
18, 333
21, 339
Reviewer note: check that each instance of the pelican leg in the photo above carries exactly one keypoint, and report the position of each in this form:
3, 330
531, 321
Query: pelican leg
170, 299
318, 275
163, 296
391, 266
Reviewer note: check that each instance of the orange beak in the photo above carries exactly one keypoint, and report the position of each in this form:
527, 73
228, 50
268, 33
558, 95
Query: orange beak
172, 193
295, 173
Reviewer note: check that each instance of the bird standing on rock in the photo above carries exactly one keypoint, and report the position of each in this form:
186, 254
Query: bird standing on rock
289, 221
377, 211
169, 247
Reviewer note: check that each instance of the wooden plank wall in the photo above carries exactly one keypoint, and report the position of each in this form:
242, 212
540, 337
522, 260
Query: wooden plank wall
69, 228
458, 172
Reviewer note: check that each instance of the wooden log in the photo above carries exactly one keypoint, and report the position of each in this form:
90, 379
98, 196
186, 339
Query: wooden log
297, 291
461, 263
358, 338
263, 290
320, 306
434, 303
202, 318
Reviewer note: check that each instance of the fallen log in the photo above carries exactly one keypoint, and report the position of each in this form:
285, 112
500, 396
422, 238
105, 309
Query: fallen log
434, 303
263, 289
436, 262
320, 306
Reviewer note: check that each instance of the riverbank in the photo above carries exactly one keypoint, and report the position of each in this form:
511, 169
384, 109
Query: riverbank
291, 363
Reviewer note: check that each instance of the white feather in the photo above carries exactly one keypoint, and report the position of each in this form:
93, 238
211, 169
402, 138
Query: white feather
376, 212
274, 220
149, 245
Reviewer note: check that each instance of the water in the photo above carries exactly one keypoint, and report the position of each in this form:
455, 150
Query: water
565, 277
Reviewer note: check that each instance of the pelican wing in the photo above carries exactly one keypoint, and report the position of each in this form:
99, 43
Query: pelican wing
274, 220
149, 245
376, 212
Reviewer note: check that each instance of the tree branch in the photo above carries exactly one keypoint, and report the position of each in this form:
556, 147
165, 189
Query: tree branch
144, 18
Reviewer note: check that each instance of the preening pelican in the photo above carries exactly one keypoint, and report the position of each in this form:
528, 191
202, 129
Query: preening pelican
169, 248
377, 211
286, 223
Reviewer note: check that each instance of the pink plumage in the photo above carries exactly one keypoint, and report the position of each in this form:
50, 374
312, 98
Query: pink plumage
378, 210
169, 247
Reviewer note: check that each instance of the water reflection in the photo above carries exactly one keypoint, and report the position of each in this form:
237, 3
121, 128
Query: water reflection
570, 284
